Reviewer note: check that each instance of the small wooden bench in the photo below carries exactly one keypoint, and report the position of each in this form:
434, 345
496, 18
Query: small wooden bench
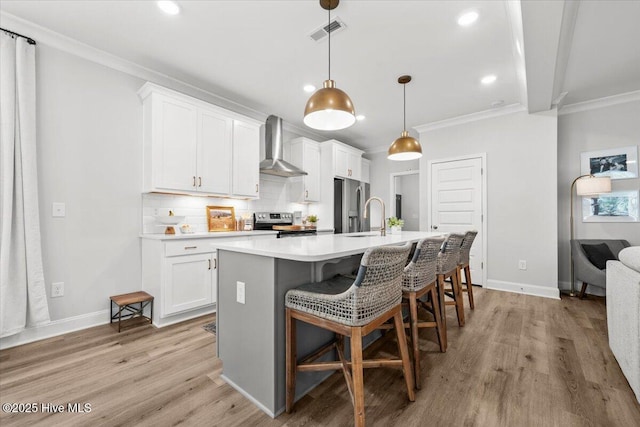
127, 302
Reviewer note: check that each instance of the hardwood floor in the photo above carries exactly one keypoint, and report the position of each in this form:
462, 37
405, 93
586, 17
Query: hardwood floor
519, 361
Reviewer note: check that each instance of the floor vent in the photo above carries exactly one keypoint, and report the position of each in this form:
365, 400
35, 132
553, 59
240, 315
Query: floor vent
333, 27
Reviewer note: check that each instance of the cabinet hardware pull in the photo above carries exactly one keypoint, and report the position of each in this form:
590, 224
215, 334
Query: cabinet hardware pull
194, 181
306, 194
191, 247
209, 264
257, 186
215, 263
199, 181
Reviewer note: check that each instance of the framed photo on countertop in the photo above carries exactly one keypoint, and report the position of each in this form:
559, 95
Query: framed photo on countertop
618, 163
221, 218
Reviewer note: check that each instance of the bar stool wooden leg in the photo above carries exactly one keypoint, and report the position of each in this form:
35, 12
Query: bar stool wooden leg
467, 276
291, 356
413, 319
404, 354
356, 372
455, 281
442, 339
443, 308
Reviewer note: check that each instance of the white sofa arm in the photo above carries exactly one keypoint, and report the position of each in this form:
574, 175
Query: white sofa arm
623, 320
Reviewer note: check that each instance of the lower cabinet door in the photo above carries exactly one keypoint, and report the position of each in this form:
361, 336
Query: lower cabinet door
190, 282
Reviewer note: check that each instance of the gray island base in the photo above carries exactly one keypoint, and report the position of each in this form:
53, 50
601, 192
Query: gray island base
251, 335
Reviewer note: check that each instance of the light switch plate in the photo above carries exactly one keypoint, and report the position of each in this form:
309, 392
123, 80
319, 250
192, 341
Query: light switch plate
240, 292
58, 210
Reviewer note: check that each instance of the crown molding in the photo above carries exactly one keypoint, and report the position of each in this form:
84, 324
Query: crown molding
473, 117
376, 150
289, 127
46, 37
607, 101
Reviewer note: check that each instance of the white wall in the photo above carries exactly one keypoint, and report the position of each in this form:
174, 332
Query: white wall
597, 129
89, 144
381, 169
521, 169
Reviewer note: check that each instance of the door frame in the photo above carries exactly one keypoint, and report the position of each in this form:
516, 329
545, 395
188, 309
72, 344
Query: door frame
392, 189
483, 176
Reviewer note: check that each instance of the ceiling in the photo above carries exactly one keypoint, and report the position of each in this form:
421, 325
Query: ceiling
259, 53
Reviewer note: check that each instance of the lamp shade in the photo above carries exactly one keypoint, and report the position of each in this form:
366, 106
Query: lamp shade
592, 185
405, 148
329, 109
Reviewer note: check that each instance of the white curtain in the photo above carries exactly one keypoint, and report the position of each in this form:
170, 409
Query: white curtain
23, 299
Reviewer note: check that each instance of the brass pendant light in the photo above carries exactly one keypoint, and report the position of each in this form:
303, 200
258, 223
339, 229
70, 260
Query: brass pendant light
329, 108
406, 147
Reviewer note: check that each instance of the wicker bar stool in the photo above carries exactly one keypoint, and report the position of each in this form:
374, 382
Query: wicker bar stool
419, 279
447, 268
463, 263
351, 309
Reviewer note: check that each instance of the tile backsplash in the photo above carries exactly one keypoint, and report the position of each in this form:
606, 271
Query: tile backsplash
274, 196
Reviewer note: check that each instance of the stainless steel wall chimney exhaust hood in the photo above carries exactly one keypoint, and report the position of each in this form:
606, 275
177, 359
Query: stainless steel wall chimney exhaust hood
273, 163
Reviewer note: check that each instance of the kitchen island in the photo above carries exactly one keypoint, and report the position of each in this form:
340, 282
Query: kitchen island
253, 277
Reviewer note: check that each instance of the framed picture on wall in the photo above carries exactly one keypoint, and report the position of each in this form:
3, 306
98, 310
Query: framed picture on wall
618, 163
619, 206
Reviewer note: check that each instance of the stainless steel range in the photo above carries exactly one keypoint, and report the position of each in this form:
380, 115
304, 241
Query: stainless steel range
282, 222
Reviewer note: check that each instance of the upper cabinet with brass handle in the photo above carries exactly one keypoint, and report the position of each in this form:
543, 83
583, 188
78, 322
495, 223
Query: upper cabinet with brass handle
305, 154
346, 160
193, 147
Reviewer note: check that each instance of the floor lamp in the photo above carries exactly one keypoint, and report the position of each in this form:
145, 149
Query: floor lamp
586, 185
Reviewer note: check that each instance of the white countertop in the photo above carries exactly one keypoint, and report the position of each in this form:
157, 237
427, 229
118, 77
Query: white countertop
210, 235
322, 247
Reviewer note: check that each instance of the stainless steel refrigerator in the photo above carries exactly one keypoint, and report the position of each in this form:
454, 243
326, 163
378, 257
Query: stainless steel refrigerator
349, 197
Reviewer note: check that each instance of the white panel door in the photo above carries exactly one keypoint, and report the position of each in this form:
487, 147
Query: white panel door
246, 159
189, 282
214, 153
456, 205
178, 141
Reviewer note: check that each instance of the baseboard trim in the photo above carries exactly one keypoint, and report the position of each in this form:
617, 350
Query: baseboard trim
523, 288
55, 328
248, 396
181, 317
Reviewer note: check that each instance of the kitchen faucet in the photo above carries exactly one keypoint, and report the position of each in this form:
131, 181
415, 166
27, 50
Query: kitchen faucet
383, 231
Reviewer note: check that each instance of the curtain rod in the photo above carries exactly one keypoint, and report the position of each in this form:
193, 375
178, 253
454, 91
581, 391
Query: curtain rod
29, 39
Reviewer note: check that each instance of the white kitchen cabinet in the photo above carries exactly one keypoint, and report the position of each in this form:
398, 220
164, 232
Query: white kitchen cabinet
347, 161
305, 154
193, 147
190, 282
182, 274
366, 171
172, 128
214, 152
246, 159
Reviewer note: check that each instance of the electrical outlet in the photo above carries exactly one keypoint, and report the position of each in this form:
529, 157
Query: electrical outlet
58, 210
57, 289
240, 292
522, 264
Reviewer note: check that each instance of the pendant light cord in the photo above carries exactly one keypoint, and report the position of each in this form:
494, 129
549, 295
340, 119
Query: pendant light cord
404, 105
329, 31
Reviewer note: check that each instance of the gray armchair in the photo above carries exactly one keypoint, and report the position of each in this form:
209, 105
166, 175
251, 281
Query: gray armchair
584, 270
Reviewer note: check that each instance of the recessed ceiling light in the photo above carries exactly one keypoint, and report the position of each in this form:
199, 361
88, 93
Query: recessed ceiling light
468, 18
487, 80
360, 117
309, 88
169, 7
